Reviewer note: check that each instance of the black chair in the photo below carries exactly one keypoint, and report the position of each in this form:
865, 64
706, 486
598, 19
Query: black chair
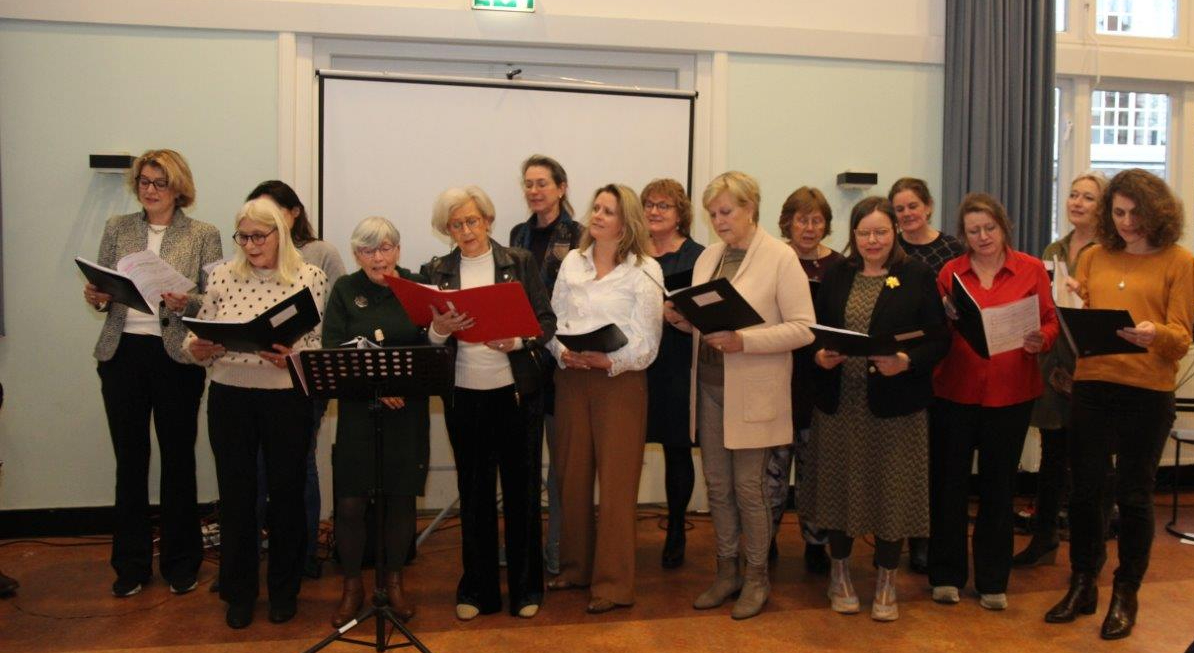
1179, 437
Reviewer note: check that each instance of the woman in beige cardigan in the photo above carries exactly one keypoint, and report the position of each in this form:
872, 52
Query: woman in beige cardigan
740, 402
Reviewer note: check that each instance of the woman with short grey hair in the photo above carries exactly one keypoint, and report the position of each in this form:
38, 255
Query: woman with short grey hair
495, 414
361, 304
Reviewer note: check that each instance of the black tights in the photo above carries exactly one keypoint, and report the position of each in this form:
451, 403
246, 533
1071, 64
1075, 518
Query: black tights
678, 479
887, 552
398, 531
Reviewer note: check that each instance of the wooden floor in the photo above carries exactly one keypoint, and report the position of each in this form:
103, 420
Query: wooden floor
64, 605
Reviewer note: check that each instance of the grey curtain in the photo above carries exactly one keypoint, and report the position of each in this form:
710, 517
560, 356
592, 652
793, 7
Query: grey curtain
999, 62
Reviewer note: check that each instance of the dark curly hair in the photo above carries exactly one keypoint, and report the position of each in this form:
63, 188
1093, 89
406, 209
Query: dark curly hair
1159, 211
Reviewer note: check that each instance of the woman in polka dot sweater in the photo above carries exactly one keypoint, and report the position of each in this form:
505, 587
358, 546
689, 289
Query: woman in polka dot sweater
252, 405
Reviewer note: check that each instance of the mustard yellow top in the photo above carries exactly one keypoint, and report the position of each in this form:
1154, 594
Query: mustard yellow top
1157, 288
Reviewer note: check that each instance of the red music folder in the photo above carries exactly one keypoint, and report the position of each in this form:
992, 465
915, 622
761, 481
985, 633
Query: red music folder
501, 310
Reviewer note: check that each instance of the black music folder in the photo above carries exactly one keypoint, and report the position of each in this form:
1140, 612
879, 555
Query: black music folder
1091, 331
854, 343
604, 340
120, 286
715, 306
283, 324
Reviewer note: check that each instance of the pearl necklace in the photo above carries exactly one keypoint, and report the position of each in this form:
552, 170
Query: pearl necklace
156, 229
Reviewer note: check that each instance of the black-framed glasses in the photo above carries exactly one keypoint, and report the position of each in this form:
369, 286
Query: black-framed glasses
662, 206
146, 182
243, 239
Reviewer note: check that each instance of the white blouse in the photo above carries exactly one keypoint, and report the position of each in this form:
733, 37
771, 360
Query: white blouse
629, 296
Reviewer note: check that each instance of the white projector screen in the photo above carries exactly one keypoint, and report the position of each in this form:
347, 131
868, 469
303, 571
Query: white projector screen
389, 146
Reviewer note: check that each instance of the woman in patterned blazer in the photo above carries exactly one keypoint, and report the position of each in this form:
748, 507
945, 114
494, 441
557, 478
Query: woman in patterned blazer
143, 372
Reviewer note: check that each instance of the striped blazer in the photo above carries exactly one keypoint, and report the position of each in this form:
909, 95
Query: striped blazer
188, 245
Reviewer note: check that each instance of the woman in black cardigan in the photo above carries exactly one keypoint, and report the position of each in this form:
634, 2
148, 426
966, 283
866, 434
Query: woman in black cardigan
868, 455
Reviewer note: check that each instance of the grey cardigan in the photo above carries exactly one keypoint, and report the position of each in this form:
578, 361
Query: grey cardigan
188, 245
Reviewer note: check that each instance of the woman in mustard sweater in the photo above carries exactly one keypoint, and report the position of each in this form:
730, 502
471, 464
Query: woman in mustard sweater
1123, 403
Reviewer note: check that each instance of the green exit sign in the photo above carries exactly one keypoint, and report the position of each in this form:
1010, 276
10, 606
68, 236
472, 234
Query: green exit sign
504, 5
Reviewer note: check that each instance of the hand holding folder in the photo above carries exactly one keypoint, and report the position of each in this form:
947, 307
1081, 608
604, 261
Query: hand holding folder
283, 324
499, 311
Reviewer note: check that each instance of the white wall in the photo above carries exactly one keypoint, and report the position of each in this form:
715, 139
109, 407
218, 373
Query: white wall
801, 121
67, 91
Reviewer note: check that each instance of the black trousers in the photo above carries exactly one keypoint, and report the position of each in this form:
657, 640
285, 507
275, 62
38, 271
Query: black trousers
278, 422
955, 432
140, 381
492, 430
1131, 423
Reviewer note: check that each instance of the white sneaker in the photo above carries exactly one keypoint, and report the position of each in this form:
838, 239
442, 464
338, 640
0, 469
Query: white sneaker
947, 594
993, 601
466, 612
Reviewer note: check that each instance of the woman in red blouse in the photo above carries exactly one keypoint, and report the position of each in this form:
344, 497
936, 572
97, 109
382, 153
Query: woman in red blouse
983, 404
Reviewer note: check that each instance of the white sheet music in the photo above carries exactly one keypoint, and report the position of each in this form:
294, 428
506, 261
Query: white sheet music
1007, 324
1063, 297
153, 276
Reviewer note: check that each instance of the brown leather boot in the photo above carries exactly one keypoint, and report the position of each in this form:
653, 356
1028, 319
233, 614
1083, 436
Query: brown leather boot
350, 601
402, 608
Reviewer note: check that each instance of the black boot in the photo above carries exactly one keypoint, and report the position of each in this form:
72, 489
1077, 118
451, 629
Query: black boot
816, 560
1038, 552
918, 555
1082, 598
673, 546
1121, 616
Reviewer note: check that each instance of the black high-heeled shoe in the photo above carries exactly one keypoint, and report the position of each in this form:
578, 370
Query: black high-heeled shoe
673, 545
1082, 598
1121, 616
1038, 552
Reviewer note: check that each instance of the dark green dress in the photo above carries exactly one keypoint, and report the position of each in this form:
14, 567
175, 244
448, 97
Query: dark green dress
358, 307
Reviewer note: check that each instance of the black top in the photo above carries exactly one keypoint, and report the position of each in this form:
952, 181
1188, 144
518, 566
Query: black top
937, 252
668, 376
563, 236
908, 301
802, 359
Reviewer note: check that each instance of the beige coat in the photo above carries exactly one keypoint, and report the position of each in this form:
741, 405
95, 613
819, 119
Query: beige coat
758, 398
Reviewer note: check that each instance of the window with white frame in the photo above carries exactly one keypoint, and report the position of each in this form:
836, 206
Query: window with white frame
1147, 18
1128, 130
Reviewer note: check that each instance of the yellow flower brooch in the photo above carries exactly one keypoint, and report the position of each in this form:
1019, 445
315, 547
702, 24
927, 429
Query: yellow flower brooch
893, 282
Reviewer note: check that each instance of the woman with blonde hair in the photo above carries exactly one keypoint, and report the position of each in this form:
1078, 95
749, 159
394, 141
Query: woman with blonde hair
251, 406
145, 373
1051, 414
741, 404
601, 398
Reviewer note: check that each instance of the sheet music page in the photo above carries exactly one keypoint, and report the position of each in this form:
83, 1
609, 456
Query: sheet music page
1063, 297
1007, 324
153, 276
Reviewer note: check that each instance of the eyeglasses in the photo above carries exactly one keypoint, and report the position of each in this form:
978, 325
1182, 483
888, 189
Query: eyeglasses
146, 182
243, 239
370, 251
877, 234
471, 223
662, 206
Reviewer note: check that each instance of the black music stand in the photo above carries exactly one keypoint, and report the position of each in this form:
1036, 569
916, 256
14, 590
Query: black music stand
370, 374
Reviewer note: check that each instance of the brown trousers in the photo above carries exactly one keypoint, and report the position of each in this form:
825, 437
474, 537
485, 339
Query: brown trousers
601, 424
